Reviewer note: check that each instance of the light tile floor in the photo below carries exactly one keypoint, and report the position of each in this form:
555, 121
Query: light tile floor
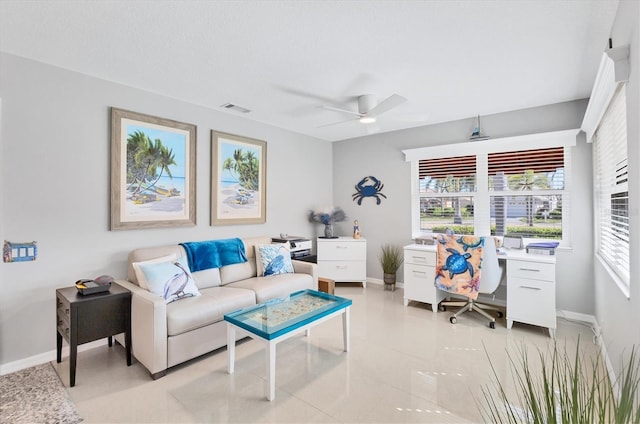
405, 365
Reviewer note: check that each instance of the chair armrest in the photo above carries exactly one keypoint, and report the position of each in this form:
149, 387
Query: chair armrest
148, 327
302, 267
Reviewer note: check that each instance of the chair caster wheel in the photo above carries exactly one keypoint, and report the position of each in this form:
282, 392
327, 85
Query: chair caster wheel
453, 320
500, 314
492, 325
442, 308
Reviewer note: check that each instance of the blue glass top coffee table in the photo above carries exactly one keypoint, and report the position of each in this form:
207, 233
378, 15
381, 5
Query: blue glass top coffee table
279, 319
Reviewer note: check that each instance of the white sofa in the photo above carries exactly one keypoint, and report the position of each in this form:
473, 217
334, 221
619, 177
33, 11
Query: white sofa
164, 335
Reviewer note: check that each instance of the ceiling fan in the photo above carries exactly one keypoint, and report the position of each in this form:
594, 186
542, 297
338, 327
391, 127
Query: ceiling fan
368, 108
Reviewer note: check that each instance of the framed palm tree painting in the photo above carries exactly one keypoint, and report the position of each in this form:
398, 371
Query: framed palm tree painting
238, 179
153, 171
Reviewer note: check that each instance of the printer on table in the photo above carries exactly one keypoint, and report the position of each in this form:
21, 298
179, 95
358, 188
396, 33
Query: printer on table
300, 247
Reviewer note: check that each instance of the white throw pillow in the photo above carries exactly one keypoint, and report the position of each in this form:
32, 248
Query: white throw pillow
142, 280
273, 259
170, 280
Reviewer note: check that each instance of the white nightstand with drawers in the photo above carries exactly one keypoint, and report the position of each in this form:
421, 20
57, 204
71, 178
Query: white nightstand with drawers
343, 259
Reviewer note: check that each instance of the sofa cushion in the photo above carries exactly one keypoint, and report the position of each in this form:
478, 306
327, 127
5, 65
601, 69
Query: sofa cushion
273, 259
209, 308
237, 272
207, 278
170, 280
267, 288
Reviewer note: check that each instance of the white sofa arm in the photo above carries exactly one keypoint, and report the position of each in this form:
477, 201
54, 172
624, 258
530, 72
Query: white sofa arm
148, 329
310, 268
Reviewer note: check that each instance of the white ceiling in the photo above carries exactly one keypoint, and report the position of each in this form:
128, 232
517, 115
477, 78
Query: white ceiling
284, 60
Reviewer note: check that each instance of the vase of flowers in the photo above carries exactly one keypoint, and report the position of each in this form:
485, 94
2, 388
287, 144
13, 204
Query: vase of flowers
328, 217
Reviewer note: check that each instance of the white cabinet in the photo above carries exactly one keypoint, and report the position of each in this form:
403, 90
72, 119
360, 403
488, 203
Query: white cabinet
343, 259
531, 292
419, 275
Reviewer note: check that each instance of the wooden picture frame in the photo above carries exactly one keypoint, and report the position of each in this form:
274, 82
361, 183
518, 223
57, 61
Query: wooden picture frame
238, 179
153, 171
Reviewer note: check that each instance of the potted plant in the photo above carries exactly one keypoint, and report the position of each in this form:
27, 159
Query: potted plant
391, 258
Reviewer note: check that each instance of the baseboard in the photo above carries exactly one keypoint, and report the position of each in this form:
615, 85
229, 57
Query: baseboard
41, 358
577, 316
591, 320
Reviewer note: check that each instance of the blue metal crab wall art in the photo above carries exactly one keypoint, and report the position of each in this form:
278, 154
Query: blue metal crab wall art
368, 187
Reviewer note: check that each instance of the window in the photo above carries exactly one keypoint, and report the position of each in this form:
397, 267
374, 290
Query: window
611, 187
538, 178
496, 187
447, 190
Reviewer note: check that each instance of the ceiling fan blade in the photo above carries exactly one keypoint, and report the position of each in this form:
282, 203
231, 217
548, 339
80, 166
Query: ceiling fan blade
342, 110
336, 123
387, 104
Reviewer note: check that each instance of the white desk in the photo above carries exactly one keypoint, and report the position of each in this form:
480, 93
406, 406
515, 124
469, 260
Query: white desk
529, 293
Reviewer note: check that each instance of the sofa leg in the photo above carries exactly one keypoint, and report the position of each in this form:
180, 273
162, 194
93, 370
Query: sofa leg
159, 375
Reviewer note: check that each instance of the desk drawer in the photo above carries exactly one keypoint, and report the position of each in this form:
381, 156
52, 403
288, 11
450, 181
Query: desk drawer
531, 301
533, 270
420, 257
418, 283
343, 270
343, 251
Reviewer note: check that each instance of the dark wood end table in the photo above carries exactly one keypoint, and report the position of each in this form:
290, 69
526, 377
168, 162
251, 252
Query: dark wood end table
85, 318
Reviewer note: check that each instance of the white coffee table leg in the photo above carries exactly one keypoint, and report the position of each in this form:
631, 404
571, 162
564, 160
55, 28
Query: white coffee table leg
231, 347
345, 328
271, 370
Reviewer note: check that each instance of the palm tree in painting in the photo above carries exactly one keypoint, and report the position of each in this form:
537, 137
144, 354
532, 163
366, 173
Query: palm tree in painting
147, 161
244, 167
163, 158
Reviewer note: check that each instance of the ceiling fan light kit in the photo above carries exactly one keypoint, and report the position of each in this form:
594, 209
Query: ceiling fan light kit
369, 109
367, 120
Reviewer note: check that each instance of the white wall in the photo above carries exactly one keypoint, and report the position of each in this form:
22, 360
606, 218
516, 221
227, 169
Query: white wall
618, 316
390, 222
55, 188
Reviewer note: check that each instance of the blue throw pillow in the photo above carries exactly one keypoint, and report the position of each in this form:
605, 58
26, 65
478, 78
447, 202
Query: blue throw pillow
170, 280
273, 259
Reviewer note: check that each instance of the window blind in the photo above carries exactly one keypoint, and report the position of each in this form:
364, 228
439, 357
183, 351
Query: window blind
611, 187
448, 175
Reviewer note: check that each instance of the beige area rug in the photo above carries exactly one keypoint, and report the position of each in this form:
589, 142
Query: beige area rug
36, 395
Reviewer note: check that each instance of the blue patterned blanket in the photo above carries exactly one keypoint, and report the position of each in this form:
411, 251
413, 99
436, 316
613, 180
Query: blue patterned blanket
214, 253
459, 264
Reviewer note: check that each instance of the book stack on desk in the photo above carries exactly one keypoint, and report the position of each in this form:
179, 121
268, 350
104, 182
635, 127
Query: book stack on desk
547, 248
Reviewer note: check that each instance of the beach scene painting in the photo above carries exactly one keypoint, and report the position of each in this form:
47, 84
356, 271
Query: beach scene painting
153, 171
238, 179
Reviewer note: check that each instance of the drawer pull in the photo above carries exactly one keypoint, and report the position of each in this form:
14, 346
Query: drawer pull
530, 288
66, 311
342, 247
419, 258
530, 269
421, 273
341, 266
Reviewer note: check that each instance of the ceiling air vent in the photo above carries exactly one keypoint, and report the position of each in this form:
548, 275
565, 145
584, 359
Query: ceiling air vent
231, 106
